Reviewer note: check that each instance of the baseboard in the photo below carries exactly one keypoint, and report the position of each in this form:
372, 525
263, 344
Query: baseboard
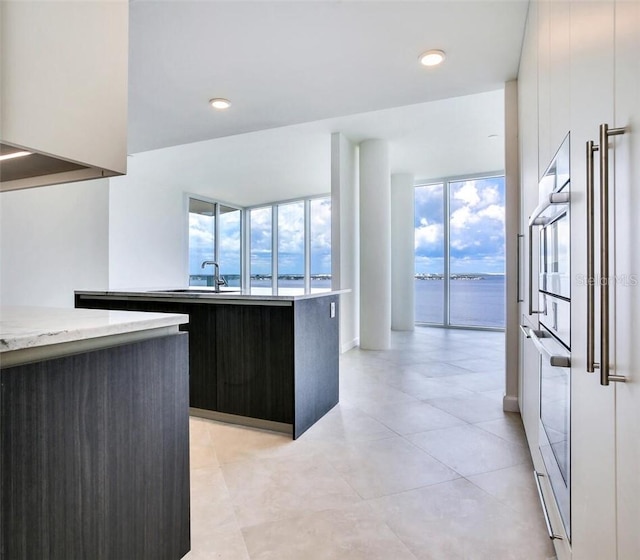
349, 345
242, 420
510, 404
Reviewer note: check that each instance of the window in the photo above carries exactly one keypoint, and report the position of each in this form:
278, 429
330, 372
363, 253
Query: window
320, 242
292, 242
214, 235
429, 254
261, 246
459, 273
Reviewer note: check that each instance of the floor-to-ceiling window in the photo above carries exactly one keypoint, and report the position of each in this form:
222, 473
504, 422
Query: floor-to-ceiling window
261, 246
320, 242
291, 242
429, 254
459, 252
214, 236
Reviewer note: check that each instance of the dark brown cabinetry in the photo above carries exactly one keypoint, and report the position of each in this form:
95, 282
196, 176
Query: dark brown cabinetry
268, 360
94, 455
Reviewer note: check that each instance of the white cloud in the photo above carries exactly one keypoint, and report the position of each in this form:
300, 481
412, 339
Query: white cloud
428, 234
490, 195
467, 193
463, 217
493, 212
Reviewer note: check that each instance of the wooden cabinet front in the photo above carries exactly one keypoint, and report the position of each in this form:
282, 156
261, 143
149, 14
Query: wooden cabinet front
94, 455
254, 361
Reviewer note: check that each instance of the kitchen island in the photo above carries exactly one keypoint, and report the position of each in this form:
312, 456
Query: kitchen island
257, 357
94, 441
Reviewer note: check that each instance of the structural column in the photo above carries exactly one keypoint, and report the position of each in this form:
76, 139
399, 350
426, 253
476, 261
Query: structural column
345, 264
375, 246
402, 252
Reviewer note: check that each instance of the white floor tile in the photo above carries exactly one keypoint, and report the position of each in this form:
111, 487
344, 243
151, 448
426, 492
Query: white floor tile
381, 476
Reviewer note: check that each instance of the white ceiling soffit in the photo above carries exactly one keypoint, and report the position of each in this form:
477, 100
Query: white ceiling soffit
282, 63
429, 140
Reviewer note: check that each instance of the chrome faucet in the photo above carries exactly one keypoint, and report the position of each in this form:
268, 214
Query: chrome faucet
217, 279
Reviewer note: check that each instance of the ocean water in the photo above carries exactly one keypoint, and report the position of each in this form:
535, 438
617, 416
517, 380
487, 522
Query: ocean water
475, 302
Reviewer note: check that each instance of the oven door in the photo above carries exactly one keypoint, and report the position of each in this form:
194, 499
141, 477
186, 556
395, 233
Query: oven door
555, 419
555, 257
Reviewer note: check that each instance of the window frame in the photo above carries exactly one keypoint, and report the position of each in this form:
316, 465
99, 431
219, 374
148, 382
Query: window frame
216, 239
446, 204
274, 238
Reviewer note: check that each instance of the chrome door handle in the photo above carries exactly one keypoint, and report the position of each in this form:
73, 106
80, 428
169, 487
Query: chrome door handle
556, 360
547, 521
519, 298
591, 363
531, 310
605, 133
525, 331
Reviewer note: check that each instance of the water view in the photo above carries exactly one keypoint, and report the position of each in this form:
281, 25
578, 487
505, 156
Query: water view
477, 300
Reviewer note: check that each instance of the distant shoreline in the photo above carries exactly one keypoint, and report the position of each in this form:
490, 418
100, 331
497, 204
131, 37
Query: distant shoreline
419, 276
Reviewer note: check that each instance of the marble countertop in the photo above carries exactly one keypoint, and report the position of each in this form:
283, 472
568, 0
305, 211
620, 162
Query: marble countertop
29, 327
226, 294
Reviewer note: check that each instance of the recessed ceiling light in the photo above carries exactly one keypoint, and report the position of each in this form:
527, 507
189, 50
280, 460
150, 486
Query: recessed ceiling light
220, 103
14, 155
432, 57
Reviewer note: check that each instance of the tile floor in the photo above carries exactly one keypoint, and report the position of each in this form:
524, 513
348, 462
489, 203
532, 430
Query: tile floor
418, 461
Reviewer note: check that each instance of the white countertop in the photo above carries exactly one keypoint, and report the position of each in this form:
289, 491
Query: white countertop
30, 327
226, 295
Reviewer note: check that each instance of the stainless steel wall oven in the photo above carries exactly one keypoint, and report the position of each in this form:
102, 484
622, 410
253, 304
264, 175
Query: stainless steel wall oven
552, 338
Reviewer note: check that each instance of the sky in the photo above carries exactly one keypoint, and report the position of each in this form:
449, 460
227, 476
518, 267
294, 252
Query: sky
476, 211
290, 239
476, 233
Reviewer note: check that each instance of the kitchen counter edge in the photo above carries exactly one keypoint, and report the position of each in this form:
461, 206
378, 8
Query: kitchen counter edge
33, 333
159, 293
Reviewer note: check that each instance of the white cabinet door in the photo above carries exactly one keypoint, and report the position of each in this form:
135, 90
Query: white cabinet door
593, 486
625, 192
528, 136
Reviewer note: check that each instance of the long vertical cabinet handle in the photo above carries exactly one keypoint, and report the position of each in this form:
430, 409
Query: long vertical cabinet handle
605, 133
519, 298
591, 363
531, 310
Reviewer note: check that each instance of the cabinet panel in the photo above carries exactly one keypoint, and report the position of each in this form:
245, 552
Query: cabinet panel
316, 365
94, 455
626, 195
203, 387
528, 135
545, 151
530, 405
60, 62
592, 406
202, 330
254, 361
559, 72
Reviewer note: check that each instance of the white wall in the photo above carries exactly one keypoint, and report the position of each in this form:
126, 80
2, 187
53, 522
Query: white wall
345, 236
148, 227
54, 240
148, 233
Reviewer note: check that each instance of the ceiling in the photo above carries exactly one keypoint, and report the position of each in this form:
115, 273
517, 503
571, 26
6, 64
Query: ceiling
429, 140
301, 61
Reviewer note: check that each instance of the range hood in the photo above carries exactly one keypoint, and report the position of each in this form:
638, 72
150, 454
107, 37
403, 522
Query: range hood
31, 169
63, 91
